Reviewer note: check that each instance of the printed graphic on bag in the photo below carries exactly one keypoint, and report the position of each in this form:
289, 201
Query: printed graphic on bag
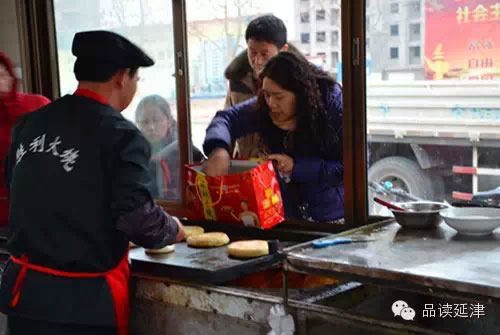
248, 195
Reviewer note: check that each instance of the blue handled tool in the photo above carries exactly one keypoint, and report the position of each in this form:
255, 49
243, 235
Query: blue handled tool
335, 241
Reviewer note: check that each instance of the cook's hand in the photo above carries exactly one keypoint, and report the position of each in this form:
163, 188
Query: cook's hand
180, 232
217, 163
284, 163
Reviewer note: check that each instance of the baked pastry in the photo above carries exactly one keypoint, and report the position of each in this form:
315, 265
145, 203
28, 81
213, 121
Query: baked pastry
248, 249
208, 240
192, 230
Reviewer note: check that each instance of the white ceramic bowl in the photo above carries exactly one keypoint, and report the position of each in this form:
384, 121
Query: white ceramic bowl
472, 220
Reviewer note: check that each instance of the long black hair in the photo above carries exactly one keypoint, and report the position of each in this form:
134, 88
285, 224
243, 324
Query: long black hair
309, 84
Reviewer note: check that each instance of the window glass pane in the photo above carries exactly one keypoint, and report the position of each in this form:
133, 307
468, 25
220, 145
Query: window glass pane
148, 24
320, 36
414, 32
432, 100
216, 32
10, 44
394, 8
304, 17
304, 38
334, 16
394, 53
414, 9
320, 15
394, 30
334, 38
414, 55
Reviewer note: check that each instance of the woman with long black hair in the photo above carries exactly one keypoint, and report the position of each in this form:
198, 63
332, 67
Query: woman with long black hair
298, 118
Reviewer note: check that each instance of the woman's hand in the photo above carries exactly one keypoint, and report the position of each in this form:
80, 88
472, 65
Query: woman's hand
284, 163
218, 163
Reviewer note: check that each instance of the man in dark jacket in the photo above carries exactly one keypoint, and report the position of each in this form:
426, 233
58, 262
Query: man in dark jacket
266, 36
77, 173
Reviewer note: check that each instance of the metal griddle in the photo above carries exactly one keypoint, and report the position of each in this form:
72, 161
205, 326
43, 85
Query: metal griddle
213, 265
204, 265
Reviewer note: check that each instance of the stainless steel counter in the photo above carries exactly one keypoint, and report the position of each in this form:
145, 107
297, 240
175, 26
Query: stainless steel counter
431, 259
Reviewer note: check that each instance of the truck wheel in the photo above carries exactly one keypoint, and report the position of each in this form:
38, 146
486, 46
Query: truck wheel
404, 174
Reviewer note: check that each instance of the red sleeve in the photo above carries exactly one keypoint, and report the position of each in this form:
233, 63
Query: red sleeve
31, 102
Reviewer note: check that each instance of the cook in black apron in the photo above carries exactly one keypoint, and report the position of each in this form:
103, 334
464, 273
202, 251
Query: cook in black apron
78, 180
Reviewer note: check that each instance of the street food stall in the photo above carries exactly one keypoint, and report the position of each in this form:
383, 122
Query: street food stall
445, 282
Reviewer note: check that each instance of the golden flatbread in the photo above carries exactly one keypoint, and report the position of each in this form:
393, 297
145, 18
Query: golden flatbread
208, 240
248, 249
164, 250
192, 230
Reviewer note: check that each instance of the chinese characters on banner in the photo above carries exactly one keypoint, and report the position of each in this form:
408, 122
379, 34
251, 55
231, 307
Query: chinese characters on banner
66, 157
462, 39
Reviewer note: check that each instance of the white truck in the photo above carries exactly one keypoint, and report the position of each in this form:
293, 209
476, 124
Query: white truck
436, 140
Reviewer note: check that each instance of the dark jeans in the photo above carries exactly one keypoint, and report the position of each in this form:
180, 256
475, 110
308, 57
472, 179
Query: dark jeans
22, 326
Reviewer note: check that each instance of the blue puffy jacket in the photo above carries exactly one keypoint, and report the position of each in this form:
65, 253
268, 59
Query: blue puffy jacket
316, 190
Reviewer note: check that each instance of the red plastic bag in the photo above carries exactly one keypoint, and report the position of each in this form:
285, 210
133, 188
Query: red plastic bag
248, 195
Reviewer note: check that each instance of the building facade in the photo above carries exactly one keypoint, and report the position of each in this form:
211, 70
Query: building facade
395, 38
317, 32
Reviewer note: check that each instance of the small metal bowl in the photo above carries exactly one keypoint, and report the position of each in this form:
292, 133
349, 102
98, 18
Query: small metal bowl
419, 214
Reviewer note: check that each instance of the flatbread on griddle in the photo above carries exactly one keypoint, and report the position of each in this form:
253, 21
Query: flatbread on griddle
248, 249
164, 250
192, 230
208, 240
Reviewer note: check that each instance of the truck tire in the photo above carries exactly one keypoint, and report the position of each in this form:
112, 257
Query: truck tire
403, 173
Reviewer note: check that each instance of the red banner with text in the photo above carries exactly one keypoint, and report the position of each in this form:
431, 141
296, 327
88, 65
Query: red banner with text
462, 39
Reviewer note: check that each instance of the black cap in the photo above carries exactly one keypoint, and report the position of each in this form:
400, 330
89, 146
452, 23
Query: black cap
100, 46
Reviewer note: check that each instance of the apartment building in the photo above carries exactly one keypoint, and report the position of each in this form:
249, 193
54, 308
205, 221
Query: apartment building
394, 36
317, 32
395, 32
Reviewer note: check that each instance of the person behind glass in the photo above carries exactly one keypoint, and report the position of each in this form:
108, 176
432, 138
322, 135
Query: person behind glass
298, 118
265, 36
13, 104
154, 118
77, 173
